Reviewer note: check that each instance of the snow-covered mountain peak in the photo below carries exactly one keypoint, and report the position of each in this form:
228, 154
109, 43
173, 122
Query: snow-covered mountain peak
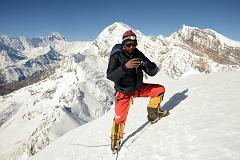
207, 43
187, 31
113, 32
112, 35
121, 25
223, 39
56, 36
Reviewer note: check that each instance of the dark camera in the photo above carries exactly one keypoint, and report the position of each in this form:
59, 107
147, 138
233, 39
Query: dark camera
141, 61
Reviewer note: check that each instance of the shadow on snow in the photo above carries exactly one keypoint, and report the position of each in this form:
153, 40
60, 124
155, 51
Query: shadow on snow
169, 105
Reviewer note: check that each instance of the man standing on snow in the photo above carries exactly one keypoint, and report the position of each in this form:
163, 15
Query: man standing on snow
125, 69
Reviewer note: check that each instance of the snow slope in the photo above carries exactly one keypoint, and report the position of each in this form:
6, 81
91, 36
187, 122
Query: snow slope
36, 115
203, 124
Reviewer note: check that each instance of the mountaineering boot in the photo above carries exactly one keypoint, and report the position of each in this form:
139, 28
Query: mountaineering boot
115, 145
153, 109
154, 114
116, 136
163, 113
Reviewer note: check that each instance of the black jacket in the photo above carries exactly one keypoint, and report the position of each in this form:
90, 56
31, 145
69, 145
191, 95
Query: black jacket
128, 80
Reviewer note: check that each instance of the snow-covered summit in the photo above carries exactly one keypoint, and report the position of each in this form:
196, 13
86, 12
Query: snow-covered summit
207, 44
187, 32
56, 36
200, 126
224, 40
112, 35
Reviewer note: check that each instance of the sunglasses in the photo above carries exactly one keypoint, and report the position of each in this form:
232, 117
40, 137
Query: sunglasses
130, 45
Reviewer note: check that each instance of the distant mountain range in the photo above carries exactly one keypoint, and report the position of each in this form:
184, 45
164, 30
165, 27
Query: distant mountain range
188, 50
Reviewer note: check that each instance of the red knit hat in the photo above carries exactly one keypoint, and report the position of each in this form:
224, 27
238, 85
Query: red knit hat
129, 36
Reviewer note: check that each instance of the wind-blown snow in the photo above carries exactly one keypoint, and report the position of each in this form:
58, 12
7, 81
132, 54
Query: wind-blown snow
203, 124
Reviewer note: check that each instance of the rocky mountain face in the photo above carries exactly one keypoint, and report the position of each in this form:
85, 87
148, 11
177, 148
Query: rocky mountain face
18, 75
207, 43
28, 72
59, 83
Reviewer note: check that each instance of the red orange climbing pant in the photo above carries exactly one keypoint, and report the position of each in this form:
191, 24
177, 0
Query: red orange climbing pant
123, 102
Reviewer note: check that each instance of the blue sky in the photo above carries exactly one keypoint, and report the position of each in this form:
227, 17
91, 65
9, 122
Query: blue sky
85, 19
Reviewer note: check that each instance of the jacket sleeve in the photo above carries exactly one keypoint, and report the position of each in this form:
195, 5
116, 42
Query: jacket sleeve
115, 70
149, 67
